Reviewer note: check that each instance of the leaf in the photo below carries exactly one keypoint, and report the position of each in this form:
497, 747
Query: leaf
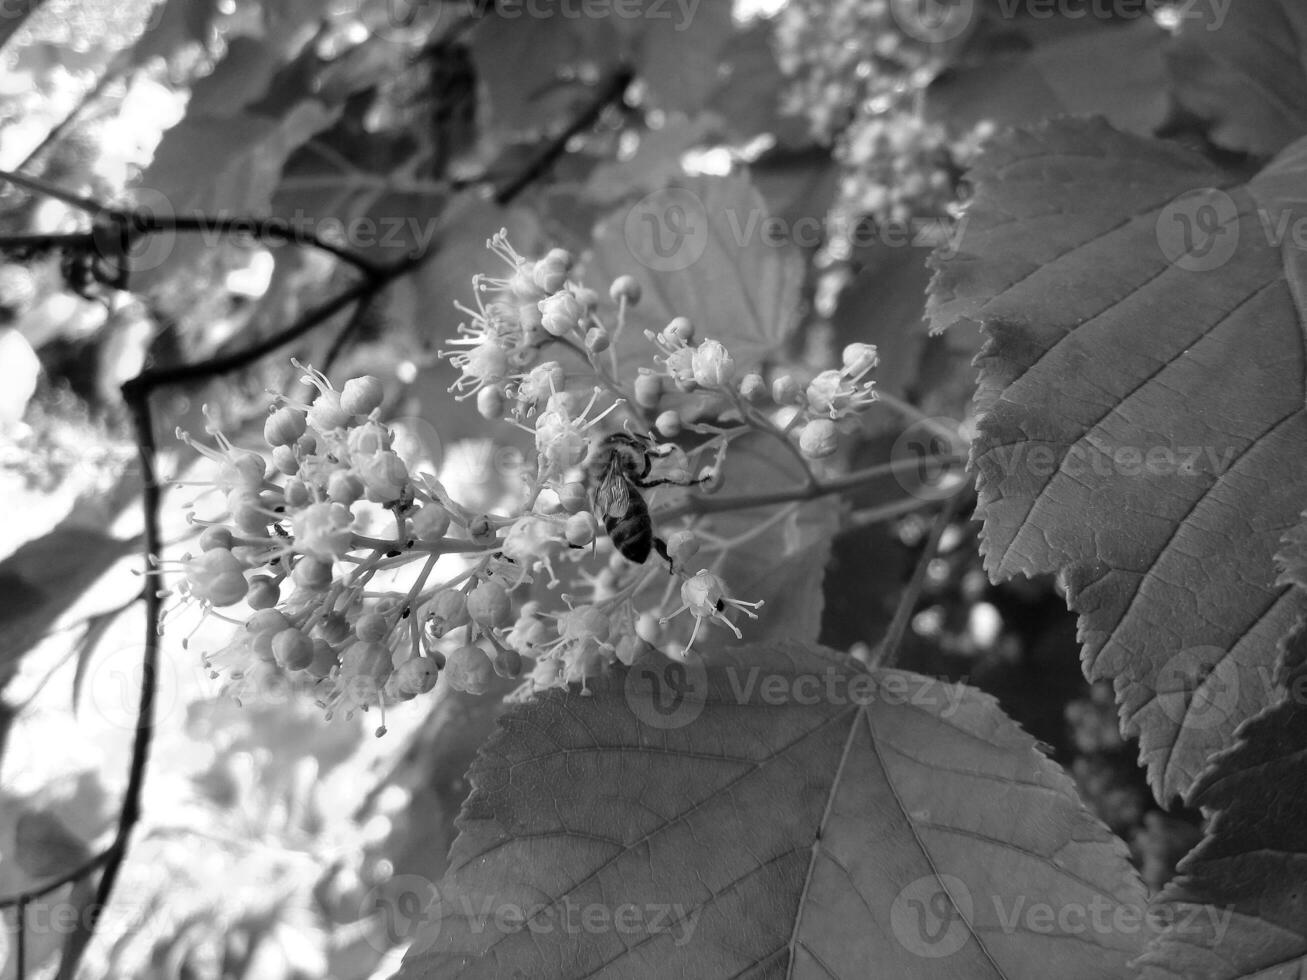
1113, 336
1224, 52
1238, 907
700, 249
898, 827
678, 50
43, 578
209, 166
527, 64
45, 847
1108, 68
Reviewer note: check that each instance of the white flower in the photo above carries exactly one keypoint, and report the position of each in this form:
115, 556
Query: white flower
705, 596
322, 530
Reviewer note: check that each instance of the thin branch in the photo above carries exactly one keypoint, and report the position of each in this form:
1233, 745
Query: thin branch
143, 423
39, 186
54, 884
888, 651
822, 488
610, 90
57, 131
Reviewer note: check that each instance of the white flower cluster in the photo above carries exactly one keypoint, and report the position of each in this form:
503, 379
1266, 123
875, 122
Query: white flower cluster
555, 589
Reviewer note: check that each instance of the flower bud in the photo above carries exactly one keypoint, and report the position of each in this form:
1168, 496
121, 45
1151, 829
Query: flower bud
216, 536
325, 414
625, 288
490, 402
713, 365
668, 424
445, 612
469, 669
819, 439
573, 497
550, 273
824, 392
311, 574
384, 475
360, 396
580, 529
368, 439
680, 368
679, 331
523, 284
858, 359
785, 390
292, 649
283, 426
682, 546
597, 340
322, 530
561, 314
296, 494
416, 675
372, 627
267, 621
285, 460
541, 382
648, 389
430, 523
324, 658
264, 593
753, 389
507, 662
488, 604
343, 487
648, 628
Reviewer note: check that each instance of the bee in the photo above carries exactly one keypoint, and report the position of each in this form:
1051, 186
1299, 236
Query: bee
619, 467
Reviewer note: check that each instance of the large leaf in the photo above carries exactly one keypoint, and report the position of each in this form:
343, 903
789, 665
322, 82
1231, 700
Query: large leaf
1238, 908
701, 249
1243, 68
1063, 68
892, 826
1142, 390
215, 166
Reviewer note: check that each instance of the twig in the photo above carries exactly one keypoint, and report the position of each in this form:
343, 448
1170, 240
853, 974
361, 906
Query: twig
821, 488
888, 651
111, 74
54, 884
608, 91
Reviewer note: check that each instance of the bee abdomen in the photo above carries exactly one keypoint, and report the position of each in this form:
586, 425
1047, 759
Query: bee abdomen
631, 535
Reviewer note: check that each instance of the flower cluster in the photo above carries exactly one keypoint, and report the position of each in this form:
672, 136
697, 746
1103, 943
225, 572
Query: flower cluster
364, 581
858, 77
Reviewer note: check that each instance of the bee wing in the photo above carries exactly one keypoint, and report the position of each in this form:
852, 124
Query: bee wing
613, 497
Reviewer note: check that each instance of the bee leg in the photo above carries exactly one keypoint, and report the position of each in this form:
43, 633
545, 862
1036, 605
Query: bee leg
660, 546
